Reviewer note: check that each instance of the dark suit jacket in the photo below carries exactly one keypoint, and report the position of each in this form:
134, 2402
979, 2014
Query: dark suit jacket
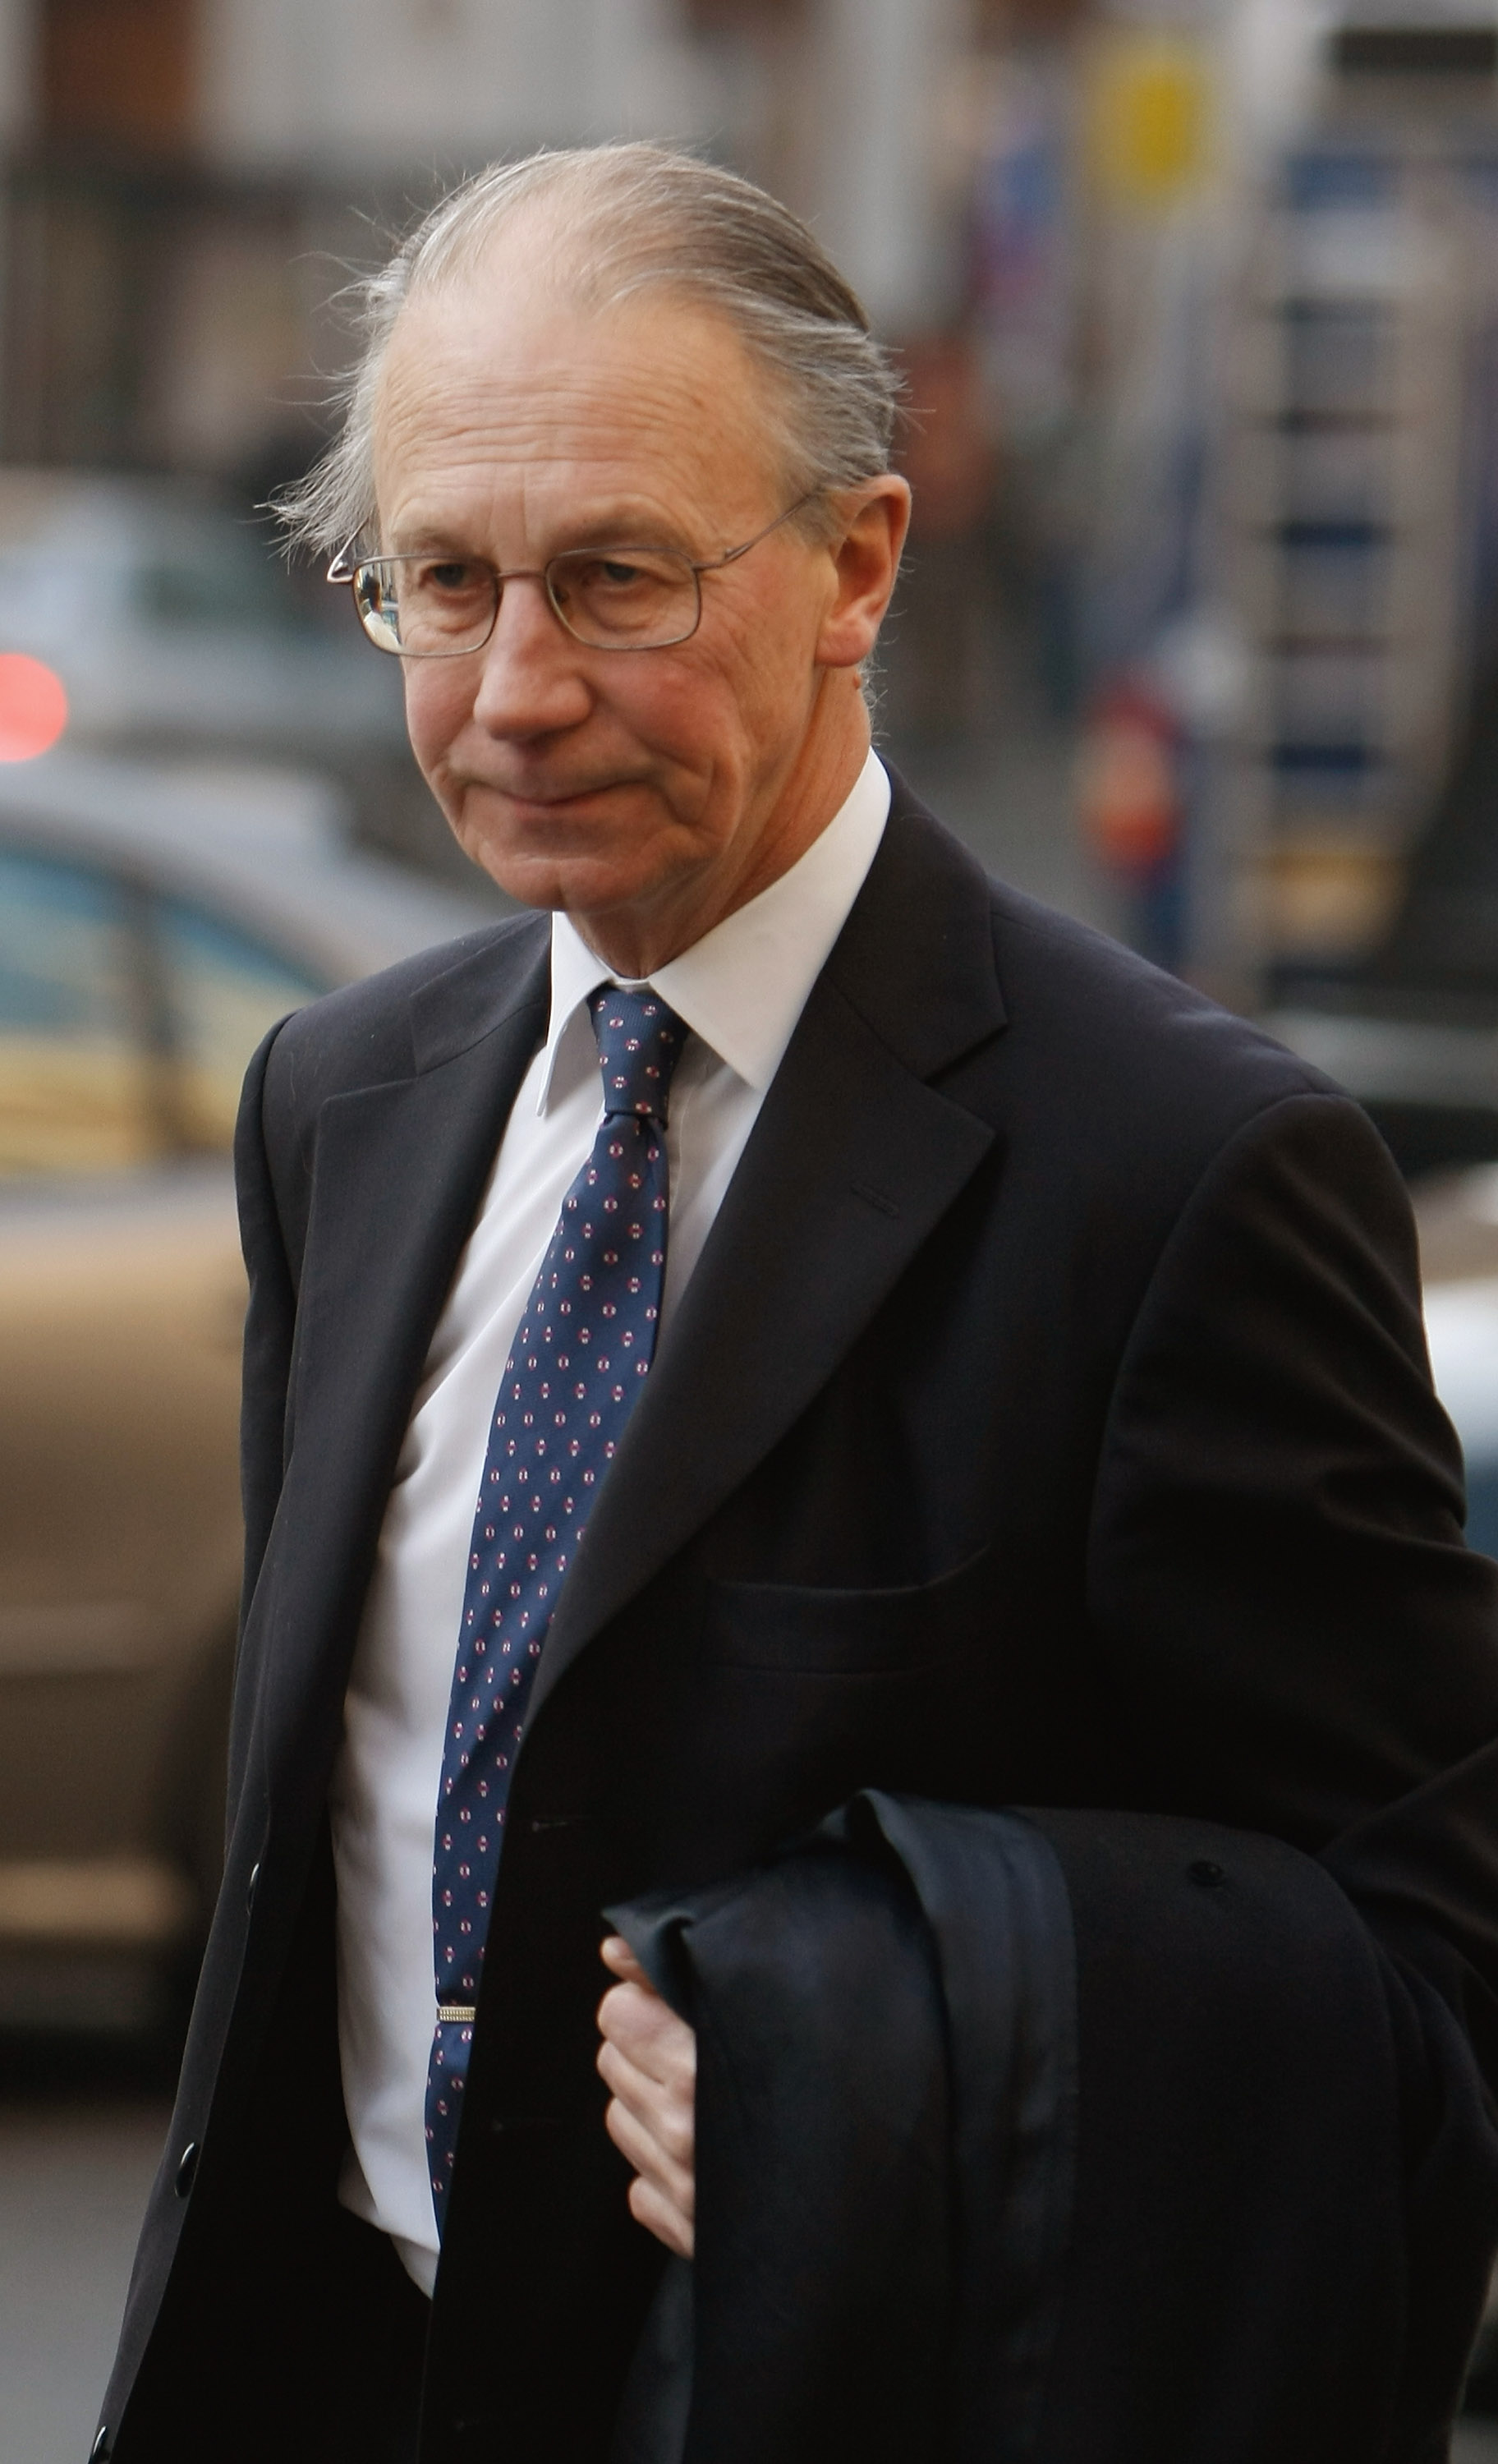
1047, 1421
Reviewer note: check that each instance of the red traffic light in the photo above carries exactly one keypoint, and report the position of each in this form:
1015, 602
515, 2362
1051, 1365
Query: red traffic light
33, 707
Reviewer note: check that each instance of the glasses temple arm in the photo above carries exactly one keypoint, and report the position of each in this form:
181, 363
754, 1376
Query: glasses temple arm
715, 563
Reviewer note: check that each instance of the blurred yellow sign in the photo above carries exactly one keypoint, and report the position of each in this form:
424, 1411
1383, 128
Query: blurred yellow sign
1149, 116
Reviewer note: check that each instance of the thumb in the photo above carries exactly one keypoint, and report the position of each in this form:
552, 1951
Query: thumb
621, 1962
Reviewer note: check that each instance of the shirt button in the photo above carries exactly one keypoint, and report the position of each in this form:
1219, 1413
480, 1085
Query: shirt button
251, 1887
187, 2168
100, 2452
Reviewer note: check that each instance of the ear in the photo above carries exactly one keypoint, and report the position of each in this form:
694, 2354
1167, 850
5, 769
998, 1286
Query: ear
865, 557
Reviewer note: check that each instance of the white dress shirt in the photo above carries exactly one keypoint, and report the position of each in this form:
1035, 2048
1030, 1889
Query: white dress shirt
740, 989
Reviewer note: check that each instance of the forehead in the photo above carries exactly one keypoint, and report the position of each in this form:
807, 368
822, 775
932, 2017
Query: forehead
507, 410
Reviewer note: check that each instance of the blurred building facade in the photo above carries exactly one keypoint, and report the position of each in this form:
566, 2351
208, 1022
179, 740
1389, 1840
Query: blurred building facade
1347, 555
1197, 299
188, 179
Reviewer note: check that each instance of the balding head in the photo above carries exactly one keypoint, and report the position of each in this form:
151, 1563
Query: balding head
600, 226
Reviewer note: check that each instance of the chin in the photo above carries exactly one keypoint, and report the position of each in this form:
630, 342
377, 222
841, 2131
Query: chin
537, 877
585, 878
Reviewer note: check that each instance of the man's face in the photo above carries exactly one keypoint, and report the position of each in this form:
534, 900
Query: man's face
648, 792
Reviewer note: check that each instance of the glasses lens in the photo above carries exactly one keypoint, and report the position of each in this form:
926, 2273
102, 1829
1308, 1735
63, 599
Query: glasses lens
425, 608
625, 597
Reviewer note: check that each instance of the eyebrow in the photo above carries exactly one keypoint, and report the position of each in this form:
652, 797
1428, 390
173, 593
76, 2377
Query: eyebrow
617, 525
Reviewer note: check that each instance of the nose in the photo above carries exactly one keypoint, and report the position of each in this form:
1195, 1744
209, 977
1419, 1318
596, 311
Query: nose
531, 681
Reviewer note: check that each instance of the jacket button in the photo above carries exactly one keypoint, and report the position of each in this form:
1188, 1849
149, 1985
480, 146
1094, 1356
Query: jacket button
187, 2166
1208, 1875
100, 2452
251, 1887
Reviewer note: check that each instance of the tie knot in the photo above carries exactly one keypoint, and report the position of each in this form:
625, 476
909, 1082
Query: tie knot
639, 1040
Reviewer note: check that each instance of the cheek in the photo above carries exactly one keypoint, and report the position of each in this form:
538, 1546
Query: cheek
681, 711
769, 650
731, 693
439, 702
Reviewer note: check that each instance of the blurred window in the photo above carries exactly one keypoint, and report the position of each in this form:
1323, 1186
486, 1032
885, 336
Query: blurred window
118, 71
217, 577
741, 16
77, 1085
1339, 358
226, 989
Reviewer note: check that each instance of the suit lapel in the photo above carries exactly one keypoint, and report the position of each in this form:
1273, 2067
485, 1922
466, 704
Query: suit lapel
853, 1160
399, 1174
400, 1169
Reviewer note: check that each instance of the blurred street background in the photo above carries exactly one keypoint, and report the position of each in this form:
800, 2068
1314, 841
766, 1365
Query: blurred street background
1196, 302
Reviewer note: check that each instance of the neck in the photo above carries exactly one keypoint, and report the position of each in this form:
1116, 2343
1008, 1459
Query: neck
634, 941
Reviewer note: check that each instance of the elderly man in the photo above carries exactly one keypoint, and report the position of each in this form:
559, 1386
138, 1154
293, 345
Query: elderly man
893, 1337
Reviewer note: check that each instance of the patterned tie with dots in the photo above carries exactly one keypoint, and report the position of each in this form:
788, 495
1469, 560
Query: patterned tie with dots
574, 1374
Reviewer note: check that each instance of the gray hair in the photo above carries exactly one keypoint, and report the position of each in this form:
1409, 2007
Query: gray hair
630, 217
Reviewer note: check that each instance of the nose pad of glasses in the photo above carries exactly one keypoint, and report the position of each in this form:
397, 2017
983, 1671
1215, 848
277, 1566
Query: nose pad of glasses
525, 676
533, 610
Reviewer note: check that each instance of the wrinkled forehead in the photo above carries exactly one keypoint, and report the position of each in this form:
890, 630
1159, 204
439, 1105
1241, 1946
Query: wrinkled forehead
506, 408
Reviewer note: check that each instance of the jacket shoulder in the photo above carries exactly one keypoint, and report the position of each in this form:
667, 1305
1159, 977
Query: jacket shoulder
1113, 1035
366, 1033
1135, 1106
1090, 1025
1113, 1084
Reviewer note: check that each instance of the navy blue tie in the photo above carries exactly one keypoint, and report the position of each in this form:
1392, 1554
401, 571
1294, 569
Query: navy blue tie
576, 1369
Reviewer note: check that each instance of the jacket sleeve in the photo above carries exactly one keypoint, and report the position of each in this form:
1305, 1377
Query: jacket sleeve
1276, 1572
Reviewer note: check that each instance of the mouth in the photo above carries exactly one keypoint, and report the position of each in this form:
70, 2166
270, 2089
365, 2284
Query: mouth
553, 801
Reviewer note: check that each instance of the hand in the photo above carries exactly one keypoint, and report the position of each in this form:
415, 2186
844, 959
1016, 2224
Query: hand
648, 2061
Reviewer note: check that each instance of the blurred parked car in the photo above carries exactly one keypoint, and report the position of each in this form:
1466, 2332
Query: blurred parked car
152, 926
173, 626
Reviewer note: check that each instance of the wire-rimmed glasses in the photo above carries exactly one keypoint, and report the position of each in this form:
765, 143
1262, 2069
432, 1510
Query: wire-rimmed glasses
625, 597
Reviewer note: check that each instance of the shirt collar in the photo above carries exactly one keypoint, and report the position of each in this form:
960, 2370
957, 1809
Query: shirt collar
743, 986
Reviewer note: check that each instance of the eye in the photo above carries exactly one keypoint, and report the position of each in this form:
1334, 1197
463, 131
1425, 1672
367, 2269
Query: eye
449, 576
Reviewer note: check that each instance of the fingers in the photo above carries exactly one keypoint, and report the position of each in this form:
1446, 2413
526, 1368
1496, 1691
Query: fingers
654, 2139
647, 2059
663, 2195
648, 2033
661, 2109
659, 2217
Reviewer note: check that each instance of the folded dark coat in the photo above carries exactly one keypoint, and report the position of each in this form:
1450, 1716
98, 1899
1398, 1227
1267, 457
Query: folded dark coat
1085, 2139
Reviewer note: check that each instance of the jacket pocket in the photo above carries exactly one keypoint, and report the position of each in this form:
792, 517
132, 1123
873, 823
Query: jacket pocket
821, 1630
